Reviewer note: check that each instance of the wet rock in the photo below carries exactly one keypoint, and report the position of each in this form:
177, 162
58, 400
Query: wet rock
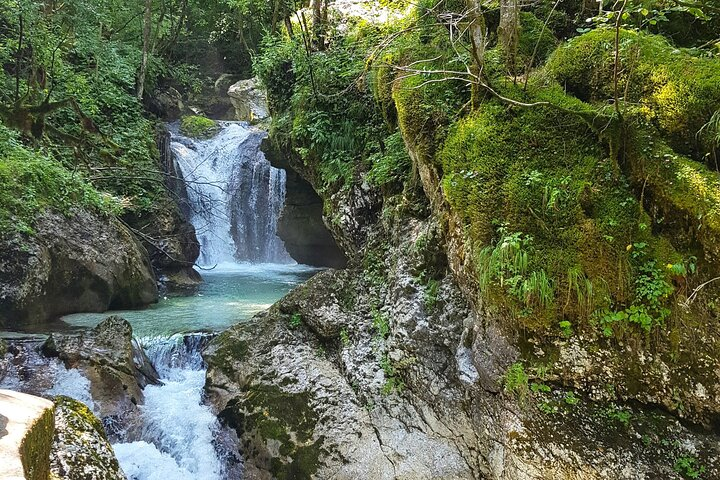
249, 100
80, 449
686, 381
388, 376
75, 263
115, 364
301, 226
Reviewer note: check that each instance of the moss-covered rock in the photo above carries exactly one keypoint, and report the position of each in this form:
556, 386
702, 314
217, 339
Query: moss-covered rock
76, 263
36, 447
675, 90
80, 449
197, 126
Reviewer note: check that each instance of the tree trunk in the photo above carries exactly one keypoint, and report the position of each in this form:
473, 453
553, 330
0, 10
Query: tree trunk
478, 40
318, 26
147, 20
288, 27
509, 32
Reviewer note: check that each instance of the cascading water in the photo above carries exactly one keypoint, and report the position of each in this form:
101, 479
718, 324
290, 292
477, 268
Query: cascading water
178, 438
235, 195
179, 433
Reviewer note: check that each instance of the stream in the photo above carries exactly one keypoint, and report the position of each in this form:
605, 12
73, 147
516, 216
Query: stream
234, 198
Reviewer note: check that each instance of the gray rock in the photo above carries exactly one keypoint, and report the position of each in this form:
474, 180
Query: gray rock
75, 263
333, 398
249, 100
80, 449
167, 104
115, 364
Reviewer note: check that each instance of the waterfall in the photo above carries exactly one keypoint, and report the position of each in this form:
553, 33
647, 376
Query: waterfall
176, 435
180, 436
235, 195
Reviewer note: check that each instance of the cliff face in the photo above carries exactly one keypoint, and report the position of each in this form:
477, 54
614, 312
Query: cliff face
526, 285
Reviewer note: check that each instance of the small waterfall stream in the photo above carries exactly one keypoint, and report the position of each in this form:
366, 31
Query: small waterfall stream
178, 435
235, 195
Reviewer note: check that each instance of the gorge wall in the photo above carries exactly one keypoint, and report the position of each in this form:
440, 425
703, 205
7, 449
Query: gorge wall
515, 305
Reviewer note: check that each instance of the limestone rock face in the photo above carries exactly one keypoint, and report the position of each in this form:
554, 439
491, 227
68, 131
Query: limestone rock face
301, 226
78, 263
249, 100
392, 375
80, 448
115, 364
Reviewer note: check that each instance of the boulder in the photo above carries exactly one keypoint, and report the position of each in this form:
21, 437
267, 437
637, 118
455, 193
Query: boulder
80, 448
166, 103
26, 432
75, 263
111, 359
224, 82
249, 100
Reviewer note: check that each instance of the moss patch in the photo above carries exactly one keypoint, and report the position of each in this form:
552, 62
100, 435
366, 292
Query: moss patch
35, 447
197, 126
675, 90
279, 427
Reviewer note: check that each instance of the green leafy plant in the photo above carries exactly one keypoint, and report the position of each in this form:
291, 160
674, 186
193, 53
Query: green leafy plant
393, 383
516, 380
571, 399
431, 294
295, 321
689, 467
381, 324
539, 388
566, 328
651, 293
344, 337
618, 414
505, 264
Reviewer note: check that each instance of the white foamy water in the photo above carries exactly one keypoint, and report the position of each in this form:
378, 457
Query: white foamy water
176, 439
73, 384
178, 432
234, 194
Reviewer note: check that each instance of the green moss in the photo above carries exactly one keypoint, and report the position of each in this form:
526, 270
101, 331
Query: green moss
273, 415
197, 126
229, 351
536, 41
82, 412
686, 193
35, 447
675, 90
548, 213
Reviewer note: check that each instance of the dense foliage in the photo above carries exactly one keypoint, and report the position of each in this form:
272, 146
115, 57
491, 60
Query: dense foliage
548, 165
